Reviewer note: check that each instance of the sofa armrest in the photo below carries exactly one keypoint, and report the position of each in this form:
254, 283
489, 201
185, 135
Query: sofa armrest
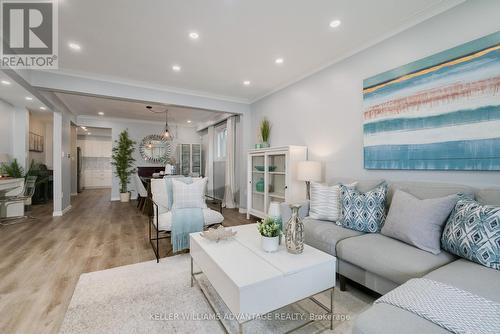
286, 212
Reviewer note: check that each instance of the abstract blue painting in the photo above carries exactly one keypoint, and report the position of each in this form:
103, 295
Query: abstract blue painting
439, 113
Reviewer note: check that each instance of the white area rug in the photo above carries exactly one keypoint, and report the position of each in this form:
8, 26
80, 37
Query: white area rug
157, 298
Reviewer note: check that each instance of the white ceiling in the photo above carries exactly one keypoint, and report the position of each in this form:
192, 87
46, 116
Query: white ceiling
93, 132
15, 95
82, 105
139, 41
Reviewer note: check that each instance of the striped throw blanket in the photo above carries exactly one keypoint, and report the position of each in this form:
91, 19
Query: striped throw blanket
453, 309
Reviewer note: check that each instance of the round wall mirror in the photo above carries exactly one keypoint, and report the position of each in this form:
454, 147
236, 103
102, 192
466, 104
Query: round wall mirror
155, 148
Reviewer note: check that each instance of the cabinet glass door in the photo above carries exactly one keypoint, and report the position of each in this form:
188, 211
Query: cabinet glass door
258, 182
276, 177
196, 159
185, 159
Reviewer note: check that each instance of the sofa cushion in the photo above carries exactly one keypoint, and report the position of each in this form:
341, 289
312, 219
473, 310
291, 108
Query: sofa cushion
325, 201
473, 232
211, 217
418, 222
469, 276
390, 258
189, 195
425, 190
489, 196
463, 274
364, 212
388, 319
324, 235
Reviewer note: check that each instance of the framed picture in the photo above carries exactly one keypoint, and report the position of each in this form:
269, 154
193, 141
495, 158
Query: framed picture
438, 113
36, 142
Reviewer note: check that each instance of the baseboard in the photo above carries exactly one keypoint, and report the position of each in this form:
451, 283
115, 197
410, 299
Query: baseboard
114, 199
74, 194
242, 210
61, 213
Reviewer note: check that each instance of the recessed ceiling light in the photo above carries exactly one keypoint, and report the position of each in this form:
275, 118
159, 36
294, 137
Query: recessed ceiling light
43, 108
28, 98
100, 113
194, 35
84, 128
5, 82
176, 68
189, 121
246, 83
74, 46
279, 61
335, 23
89, 133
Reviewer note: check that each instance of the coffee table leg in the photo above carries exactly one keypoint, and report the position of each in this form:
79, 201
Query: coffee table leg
331, 308
192, 276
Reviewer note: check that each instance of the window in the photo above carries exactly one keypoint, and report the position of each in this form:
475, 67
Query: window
220, 143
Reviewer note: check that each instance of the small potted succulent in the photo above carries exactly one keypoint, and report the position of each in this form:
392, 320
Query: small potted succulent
270, 232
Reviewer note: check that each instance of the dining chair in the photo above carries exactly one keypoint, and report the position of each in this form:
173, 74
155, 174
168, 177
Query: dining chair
142, 193
25, 197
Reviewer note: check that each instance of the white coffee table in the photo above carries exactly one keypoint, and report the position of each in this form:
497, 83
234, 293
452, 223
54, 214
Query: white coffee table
252, 282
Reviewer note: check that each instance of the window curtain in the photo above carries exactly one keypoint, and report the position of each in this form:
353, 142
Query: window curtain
230, 187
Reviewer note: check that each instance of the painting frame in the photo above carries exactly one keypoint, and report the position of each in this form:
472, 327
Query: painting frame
416, 117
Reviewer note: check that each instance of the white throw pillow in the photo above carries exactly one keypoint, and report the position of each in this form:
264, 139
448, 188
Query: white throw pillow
325, 201
189, 195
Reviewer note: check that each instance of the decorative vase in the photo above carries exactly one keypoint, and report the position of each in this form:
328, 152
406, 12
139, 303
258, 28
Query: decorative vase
259, 185
270, 244
265, 144
125, 197
294, 234
275, 213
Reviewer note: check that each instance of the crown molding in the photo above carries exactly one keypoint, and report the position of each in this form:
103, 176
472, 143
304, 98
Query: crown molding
147, 85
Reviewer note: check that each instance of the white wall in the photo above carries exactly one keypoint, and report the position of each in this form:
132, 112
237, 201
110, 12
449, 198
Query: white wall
137, 131
41, 126
324, 111
74, 162
6, 135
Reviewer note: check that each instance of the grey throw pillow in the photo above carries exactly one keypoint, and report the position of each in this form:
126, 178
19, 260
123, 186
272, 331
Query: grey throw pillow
418, 222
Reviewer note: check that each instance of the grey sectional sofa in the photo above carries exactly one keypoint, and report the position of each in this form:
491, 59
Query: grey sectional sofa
382, 263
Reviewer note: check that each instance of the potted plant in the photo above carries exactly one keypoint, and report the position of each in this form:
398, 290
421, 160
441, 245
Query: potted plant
270, 232
123, 162
12, 169
265, 131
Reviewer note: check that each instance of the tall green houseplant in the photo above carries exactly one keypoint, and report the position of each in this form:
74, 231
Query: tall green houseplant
265, 132
123, 162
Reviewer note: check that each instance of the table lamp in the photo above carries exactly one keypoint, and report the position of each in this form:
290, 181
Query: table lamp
309, 171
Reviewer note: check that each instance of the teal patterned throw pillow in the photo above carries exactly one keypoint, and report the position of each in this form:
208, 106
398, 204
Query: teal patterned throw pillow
364, 212
473, 232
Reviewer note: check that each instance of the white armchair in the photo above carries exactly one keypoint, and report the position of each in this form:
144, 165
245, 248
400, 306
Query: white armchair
160, 219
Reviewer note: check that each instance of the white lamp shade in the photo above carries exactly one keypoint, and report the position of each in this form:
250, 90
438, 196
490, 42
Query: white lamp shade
309, 171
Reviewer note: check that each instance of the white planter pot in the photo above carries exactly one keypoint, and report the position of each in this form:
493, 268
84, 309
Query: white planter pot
270, 244
125, 197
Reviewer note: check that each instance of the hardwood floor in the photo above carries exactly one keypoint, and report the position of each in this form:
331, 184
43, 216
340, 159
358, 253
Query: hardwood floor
41, 260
